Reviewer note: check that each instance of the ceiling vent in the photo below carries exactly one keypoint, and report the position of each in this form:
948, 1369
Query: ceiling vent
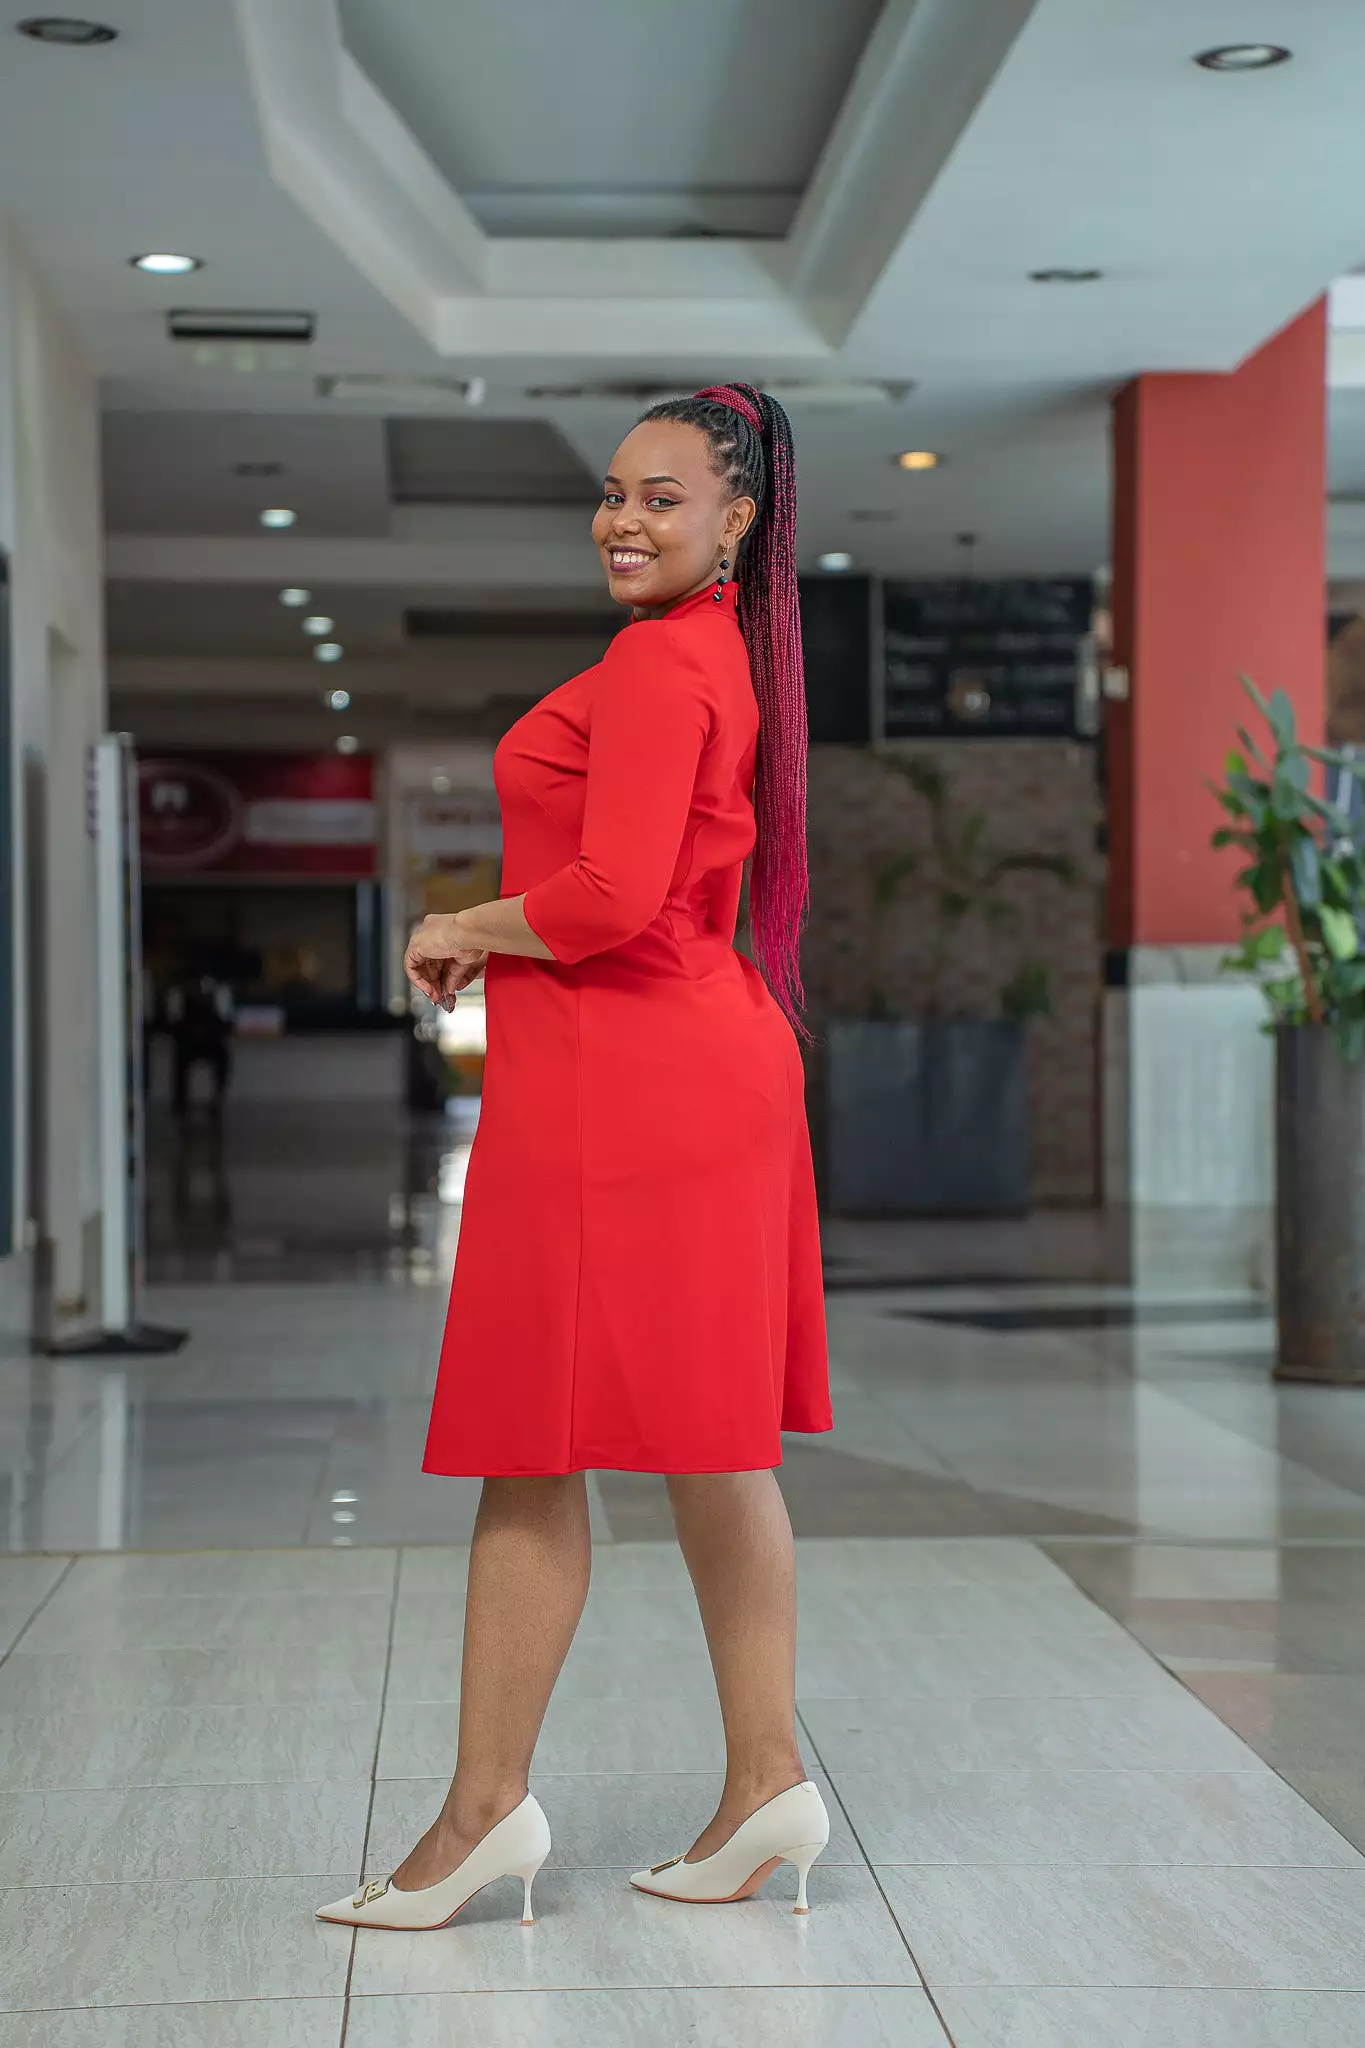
207, 323
218, 339
363, 387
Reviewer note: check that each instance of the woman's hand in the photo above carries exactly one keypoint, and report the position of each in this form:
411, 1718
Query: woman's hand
440, 961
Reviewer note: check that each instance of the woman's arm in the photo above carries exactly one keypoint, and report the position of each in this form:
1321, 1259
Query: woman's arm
448, 951
652, 711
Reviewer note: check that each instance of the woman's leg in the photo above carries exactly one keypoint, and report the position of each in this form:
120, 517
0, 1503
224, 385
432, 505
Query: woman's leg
737, 1542
528, 1578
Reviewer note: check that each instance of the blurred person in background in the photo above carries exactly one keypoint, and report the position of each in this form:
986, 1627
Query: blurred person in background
198, 1012
638, 1277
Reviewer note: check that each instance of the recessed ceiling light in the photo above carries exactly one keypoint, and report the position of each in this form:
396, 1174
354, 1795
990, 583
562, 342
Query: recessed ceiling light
1244, 57
348, 744
835, 562
919, 458
440, 782
337, 700
163, 263
328, 650
1062, 274
67, 29
345, 1498
318, 624
293, 596
277, 516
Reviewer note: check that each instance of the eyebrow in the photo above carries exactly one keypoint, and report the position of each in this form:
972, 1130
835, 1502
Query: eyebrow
610, 479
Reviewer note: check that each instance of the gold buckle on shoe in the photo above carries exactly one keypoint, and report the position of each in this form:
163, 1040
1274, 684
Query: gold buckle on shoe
375, 1889
655, 1868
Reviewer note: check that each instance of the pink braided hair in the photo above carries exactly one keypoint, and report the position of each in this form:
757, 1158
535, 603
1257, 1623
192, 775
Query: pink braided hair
751, 444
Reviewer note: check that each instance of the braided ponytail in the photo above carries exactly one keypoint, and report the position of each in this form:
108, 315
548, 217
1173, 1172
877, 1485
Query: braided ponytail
750, 439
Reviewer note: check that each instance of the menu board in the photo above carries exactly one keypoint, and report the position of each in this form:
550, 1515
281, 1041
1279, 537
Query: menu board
984, 660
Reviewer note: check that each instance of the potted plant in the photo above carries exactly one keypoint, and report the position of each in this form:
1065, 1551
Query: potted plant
1303, 940
929, 1114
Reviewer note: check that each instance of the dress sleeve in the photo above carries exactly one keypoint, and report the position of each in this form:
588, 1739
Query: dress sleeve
652, 711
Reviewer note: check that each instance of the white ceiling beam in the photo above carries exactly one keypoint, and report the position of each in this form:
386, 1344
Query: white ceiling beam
921, 78
336, 146
345, 155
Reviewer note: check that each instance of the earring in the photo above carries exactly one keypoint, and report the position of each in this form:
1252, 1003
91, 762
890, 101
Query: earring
720, 579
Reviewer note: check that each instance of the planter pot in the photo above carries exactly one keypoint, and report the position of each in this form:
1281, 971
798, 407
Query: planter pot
927, 1119
1320, 1208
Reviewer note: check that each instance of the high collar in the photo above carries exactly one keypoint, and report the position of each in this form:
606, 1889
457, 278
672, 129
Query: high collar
705, 601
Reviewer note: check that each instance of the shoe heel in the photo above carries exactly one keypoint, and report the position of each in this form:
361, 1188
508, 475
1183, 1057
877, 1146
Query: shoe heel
527, 1874
803, 1857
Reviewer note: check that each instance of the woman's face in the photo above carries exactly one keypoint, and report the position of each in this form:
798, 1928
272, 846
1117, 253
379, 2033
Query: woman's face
666, 518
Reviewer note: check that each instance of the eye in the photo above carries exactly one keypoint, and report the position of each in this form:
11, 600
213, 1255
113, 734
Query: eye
613, 498
661, 504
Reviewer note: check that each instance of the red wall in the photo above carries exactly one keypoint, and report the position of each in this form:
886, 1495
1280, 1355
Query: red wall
1219, 567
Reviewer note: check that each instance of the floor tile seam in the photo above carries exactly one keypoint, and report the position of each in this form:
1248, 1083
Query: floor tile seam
155, 2004
256, 1550
351, 1783
1091, 1864
1274, 1769
175, 1785
374, 1781
895, 1917
42, 1604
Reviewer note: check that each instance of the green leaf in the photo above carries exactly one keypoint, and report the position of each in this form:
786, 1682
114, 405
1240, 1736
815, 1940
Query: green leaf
1304, 870
1235, 763
1291, 780
1251, 746
888, 878
1228, 835
1354, 765
1266, 883
1027, 994
1268, 944
1339, 932
1257, 699
1280, 712
1348, 978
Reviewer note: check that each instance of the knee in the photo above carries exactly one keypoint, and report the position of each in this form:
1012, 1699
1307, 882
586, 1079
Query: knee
533, 1497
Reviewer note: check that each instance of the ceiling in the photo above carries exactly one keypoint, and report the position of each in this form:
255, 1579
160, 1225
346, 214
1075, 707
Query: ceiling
515, 194
599, 119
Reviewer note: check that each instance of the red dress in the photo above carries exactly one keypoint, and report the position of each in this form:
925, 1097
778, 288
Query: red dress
637, 1282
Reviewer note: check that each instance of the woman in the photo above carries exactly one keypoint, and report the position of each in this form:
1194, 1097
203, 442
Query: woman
637, 1285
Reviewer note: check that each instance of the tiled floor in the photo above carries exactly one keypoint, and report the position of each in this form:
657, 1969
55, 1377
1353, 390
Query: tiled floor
1081, 1667
198, 1748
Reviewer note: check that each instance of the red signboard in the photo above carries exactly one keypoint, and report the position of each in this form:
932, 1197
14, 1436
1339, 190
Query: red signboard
267, 815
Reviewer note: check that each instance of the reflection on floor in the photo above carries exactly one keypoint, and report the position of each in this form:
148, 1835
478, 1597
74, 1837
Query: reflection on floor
1081, 1591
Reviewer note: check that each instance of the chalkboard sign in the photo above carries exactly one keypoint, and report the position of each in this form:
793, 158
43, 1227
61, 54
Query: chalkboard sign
984, 660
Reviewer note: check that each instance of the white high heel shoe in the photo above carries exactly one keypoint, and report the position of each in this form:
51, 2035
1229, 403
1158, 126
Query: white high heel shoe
792, 1828
515, 1847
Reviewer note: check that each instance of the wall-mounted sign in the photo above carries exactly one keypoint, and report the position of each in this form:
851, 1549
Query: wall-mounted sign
992, 660
268, 815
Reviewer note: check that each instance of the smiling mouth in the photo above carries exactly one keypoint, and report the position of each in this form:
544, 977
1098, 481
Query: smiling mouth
625, 561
